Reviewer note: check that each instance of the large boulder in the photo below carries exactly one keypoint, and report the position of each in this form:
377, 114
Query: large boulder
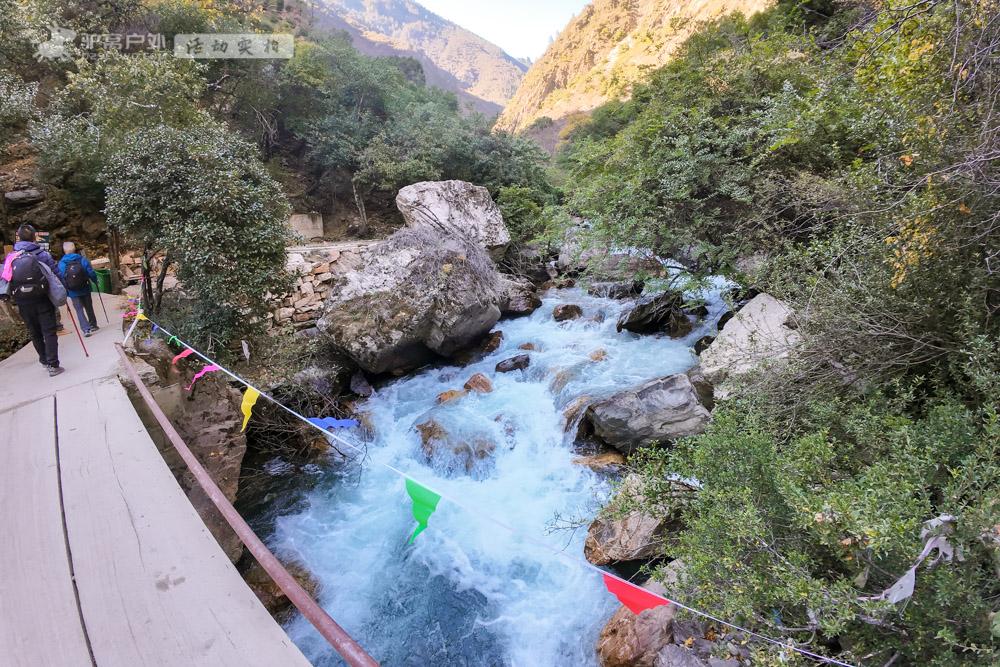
416, 294
518, 297
760, 334
621, 533
660, 410
634, 640
455, 208
656, 313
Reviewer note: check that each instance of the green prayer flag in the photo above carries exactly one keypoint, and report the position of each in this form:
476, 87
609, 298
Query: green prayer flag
425, 502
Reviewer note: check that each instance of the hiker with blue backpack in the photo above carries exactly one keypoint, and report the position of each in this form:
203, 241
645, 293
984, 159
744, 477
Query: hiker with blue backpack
30, 277
76, 273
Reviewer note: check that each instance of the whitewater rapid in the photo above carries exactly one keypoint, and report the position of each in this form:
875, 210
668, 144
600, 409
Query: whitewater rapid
468, 592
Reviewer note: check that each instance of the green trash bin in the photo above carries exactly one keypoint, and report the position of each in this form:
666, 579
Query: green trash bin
104, 280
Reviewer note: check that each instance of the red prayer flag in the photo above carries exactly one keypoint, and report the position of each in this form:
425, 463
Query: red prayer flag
186, 353
635, 598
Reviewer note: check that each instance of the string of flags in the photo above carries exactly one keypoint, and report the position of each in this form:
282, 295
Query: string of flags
425, 500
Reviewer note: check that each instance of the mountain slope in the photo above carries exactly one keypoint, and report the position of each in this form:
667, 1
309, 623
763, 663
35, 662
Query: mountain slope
453, 58
609, 46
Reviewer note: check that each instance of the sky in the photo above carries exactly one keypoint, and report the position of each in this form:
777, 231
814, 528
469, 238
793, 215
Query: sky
522, 28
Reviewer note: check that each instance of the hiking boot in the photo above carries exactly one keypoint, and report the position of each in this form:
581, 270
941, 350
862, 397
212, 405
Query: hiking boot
94, 328
88, 334
56, 370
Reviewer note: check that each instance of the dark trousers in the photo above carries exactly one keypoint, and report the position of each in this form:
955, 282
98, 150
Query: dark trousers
84, 306
40, 318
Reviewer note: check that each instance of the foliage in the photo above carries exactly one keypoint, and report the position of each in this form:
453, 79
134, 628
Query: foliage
103, 104
796, 531
203, 198
16, 100
852, 149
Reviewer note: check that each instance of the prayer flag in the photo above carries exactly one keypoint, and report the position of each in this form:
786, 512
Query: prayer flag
635, 598
250, 397
425, 502
186, 353
211, 368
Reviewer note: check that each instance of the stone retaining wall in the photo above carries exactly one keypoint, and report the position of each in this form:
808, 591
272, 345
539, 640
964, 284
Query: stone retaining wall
314, 267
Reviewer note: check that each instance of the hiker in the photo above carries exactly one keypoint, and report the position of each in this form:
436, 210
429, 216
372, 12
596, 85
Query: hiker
76, 273
30, 287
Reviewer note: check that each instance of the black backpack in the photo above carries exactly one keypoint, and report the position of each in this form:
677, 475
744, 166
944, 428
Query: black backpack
76, 276
28, 280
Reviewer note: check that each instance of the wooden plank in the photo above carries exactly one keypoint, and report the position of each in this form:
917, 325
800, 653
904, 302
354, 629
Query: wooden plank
155, 587
39, 618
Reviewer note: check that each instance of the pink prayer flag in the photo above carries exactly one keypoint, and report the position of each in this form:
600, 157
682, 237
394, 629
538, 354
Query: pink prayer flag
204, 371
186, 353
635, 598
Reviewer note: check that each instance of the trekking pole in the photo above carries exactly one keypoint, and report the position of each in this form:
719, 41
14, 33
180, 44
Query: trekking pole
101, 298
73, 319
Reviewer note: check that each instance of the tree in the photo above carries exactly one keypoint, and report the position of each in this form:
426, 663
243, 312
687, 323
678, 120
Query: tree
202, 197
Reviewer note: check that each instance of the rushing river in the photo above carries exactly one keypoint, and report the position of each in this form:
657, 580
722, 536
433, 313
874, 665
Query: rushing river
468, 592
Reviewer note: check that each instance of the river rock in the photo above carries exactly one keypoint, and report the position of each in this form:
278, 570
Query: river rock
656, 313
455, 208
360, 385
634, 640
416, 294
518, 363
600, 354
622, 533
621, 289
759, 335
607, 461
452, 453
492, 342
566, 311
450, 396
479, 383
658, 411
518, 297
531, 347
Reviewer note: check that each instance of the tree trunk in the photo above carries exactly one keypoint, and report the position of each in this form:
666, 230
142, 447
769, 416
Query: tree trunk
159, 284
115, 258
363, 229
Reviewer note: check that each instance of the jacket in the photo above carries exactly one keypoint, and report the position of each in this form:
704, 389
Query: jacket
65, 262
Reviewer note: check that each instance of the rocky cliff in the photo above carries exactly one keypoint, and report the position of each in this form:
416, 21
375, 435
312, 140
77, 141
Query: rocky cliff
607, 48
453, 58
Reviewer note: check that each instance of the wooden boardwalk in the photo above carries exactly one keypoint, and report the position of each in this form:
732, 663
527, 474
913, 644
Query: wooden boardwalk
103, 560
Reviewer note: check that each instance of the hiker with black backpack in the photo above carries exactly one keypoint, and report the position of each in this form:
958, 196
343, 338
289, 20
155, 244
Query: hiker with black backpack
30, 277
76, 273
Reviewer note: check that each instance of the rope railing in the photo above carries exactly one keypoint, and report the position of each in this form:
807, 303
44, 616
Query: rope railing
352, 652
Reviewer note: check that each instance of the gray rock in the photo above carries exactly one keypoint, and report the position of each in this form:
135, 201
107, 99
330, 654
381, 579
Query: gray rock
615, 537
28, 197
360, 385
623, 289
759, 335
659, 312
520, 362
416, 294
455, 208
673, 655
660, 410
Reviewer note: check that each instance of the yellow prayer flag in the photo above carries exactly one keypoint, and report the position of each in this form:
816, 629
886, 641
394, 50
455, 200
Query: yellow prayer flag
249, 400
